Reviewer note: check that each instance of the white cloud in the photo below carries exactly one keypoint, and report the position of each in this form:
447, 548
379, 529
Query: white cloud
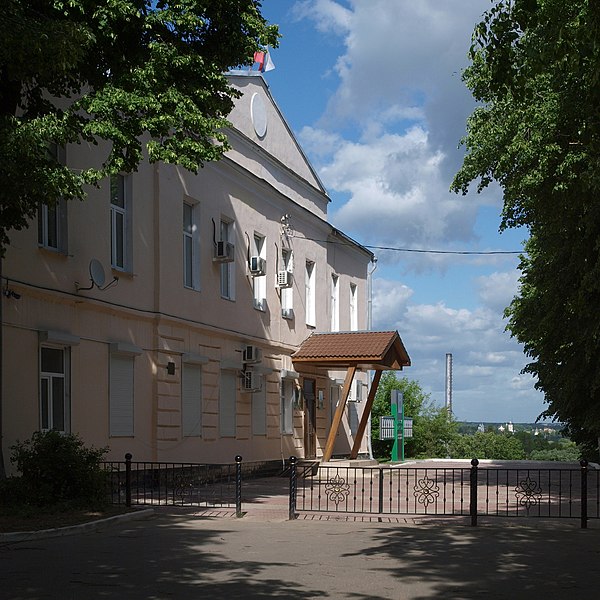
400, 88
498, 289
487, 363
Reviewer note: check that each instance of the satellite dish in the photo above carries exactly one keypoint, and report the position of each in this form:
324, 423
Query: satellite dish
97, 273
97, 277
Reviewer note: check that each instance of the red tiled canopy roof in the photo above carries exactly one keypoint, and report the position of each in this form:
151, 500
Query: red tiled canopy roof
380, 350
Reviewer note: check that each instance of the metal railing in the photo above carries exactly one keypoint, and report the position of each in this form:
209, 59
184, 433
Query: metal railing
175, 484
452, 491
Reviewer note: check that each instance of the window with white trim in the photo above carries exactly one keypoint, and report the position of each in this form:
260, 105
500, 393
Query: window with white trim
353, 308
335, 302
54, 388
121, 389
227, 403
191, 246
227, 233
259, 282
120, 222
191, 399
52, 219
352, 417
287, 293
309, 282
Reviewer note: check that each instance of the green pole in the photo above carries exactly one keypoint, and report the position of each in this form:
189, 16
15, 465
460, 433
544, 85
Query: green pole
395, 446
402, 413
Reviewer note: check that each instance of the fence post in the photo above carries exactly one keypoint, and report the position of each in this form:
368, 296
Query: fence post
128, 458
473, 502
584, 493
293, 488
238, 486
380, 490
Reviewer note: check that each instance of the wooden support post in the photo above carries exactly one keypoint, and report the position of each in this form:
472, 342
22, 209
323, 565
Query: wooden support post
337, 418
364, 420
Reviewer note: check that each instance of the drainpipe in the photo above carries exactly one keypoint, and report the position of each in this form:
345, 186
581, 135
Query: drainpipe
369, 328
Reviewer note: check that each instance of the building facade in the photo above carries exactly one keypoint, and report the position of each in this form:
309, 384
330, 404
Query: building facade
159, 316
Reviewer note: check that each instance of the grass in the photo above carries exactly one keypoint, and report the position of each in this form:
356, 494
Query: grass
39, 519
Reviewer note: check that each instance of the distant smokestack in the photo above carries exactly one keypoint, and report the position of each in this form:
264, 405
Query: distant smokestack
449, 383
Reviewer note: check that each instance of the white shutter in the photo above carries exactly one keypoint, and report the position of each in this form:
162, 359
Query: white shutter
259, 412
121, 395
227, 404
191, 400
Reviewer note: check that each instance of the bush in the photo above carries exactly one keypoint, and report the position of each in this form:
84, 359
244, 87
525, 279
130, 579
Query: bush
57, 470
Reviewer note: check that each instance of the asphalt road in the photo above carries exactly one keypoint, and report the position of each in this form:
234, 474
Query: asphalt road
178, 556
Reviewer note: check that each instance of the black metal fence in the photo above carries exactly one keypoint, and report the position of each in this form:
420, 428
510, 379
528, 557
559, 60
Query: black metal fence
177, 484
452, 491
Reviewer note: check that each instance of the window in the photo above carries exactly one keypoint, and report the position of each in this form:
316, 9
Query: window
353, 308
310, 294
191, 247
227, 268
259, 282
259, 412
54, 380
191, 400
121, 389
227, 404
287, 293
52, 220
335, 303
288, 398
120, 222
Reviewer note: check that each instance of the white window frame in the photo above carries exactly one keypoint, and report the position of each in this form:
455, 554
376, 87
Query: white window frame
310, 304
287, 294
259, 282
124, 249
353, 307
227, 234
47, 380
191, 399
191, 242
228, 403
335, 302
121, 390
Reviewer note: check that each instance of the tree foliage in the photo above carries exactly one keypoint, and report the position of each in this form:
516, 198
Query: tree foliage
147, 77
535, 68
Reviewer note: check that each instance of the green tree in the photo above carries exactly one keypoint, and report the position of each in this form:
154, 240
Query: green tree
535, 69
488, 445
434, 433
145, 76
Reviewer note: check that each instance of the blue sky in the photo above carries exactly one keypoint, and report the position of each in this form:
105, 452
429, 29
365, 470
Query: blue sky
373, 92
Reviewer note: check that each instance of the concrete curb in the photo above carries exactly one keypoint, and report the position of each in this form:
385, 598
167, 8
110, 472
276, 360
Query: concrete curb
90, 526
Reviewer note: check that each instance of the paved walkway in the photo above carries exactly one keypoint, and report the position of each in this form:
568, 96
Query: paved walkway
191, 553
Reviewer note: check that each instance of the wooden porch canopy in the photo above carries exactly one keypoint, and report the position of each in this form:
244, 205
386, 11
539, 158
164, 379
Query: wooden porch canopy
372, 350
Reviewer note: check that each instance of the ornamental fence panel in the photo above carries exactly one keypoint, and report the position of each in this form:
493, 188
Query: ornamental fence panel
490, 491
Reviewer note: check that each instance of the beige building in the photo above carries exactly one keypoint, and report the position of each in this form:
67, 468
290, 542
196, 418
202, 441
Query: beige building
159, 316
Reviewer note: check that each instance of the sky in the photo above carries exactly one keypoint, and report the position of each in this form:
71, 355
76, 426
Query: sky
373, 92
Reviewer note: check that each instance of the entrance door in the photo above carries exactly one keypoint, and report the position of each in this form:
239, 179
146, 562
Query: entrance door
309, 391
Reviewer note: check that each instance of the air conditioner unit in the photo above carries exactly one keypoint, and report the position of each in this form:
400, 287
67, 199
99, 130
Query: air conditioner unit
251, 354
251, 381
258, 266
224, 252
287, 313
284, 279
